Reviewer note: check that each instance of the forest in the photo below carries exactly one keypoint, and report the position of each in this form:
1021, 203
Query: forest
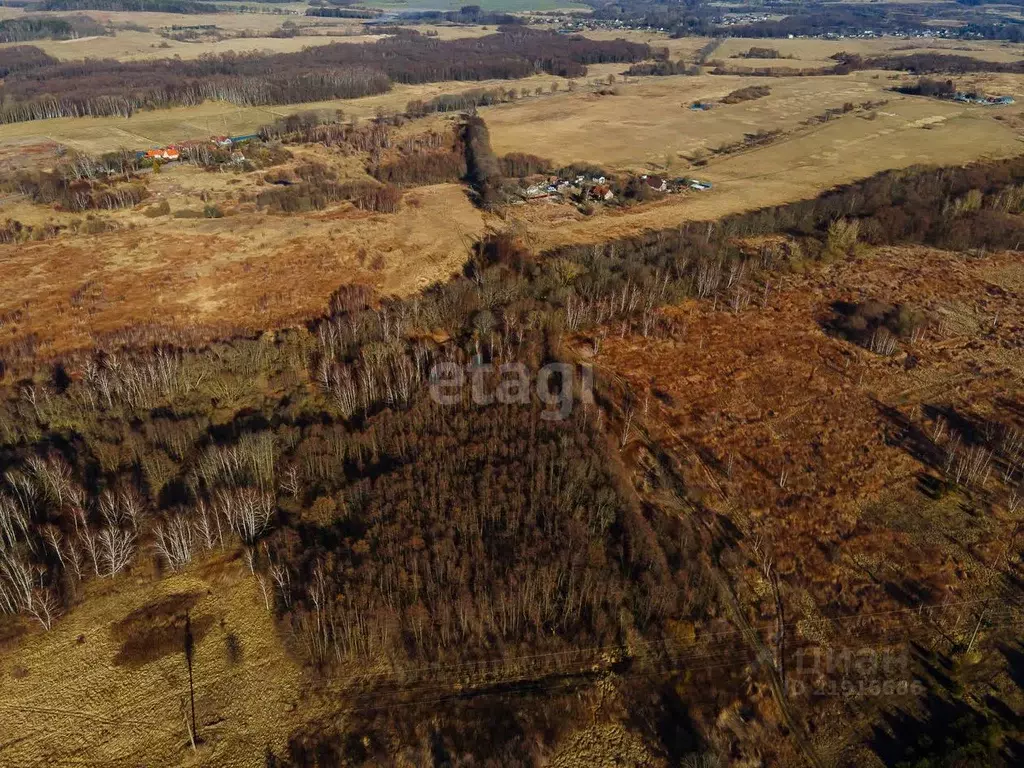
43, 28
691, 17
23, 58
152, 6
468, 14
381, 526
924, 63
47, 89
343, 13
662, 67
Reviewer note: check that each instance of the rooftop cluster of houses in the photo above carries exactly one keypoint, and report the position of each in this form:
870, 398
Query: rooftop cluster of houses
571, 23
869, 34
737, 19
163, 153
660, 184
599, 188
173, 151
585, 187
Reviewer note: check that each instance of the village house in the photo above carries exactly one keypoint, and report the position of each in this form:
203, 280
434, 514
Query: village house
164, 153
657, 183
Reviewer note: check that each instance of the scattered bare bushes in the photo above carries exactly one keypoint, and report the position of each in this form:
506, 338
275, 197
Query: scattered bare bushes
310, 196
878, 326
750, 93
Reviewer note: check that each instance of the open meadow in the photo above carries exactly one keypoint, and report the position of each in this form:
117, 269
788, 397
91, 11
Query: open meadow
510, 398
655, 131
137, 36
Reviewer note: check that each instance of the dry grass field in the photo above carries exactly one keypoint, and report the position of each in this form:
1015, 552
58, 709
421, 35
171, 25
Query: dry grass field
811, 52
678, 48
100, 705
648, 126
247, 270
159, 127
135, 45
234, 271
234, 22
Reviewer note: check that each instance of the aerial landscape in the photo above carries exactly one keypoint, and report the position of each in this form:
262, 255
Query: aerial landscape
530, 383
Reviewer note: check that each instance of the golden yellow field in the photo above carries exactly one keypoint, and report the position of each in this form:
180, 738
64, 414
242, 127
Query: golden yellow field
235, 22
811, 52
135, 44
159, 127
678, 48
94, 708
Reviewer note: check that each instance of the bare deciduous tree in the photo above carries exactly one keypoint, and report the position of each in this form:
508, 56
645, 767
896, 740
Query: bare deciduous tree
54, 478
13, 522
115, 548
175, 541
22, 590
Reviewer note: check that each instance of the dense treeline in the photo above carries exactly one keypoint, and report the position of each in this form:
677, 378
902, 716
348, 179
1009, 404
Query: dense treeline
153, 6
343, 13
925, 63
483, 169
437, 167
926, 86
749, 93
457, 102
394, 532
521, 164
340, 70
94, 88
523, 543
331, 130
23, 58
76, 192
681, 19
961, 208
759, 53
82, 195
468, 14
662, 67
317, 194
43, 28
431, 158
722, 69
